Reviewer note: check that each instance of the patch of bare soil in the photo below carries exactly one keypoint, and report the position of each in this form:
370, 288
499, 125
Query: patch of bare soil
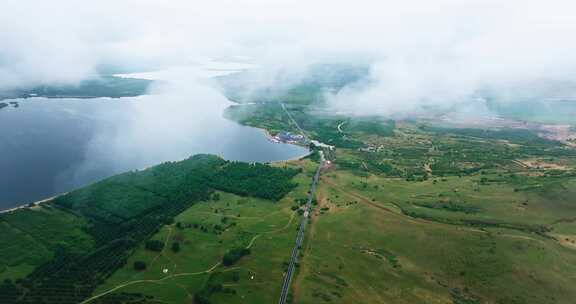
563, 133
566, 240
540, 164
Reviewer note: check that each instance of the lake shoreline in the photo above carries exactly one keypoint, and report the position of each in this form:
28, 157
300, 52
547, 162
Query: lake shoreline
94, 120
271, 138
49, 199
32, 204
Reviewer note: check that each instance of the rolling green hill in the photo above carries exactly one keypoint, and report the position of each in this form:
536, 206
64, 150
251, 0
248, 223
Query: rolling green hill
62, 250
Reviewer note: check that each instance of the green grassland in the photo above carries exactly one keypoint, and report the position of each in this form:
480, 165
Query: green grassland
362, 253
206, 231
419, 151
444, 215
405, 212
268, 116
423, 212
414, 212
65, 250
318, 125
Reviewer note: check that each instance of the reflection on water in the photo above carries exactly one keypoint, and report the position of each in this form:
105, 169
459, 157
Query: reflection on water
53, 146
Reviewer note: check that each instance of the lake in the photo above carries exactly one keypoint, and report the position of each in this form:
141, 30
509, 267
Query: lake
51, 146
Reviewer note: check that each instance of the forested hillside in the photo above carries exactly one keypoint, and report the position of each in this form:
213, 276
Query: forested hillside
60, 251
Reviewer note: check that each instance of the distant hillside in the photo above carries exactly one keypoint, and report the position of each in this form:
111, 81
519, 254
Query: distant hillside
258, 86
104, 86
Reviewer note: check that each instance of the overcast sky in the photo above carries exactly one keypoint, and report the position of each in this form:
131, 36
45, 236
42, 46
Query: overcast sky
437, 50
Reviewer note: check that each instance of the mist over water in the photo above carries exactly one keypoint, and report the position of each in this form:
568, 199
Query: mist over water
421, 55
50, 146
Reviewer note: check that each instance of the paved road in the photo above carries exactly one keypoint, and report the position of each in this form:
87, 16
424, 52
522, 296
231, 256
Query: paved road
294, 122
300, 235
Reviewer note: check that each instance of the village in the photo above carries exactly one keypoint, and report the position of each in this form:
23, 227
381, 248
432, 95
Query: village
288, 138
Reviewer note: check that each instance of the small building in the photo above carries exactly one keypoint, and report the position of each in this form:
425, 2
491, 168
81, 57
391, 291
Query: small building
287, 137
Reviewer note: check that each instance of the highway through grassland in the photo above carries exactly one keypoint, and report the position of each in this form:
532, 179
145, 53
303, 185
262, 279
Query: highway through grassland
300, 235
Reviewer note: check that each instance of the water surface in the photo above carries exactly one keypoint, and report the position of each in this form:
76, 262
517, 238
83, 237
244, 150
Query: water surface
50, 146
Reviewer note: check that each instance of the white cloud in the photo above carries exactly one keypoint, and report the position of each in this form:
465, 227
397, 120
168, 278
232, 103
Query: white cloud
423, 51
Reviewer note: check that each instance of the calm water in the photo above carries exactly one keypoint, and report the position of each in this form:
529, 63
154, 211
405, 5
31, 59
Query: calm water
53, 146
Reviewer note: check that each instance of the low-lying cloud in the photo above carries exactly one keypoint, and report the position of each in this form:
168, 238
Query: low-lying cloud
421, 52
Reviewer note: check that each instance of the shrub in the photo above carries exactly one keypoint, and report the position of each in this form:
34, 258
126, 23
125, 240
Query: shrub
232, 256
175, 247
139, 266
154, 245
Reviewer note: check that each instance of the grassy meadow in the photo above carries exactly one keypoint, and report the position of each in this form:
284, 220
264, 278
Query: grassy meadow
205, 232
365, 249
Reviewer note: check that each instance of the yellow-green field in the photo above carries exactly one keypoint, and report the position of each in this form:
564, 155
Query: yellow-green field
363, 249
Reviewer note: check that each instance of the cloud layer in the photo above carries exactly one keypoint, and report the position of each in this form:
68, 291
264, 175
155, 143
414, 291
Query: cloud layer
421, 52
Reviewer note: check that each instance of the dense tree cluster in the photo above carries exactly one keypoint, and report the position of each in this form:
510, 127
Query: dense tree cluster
154, 245
257, 180
139, 266
203, 296
131, 194
234, 255
176, 247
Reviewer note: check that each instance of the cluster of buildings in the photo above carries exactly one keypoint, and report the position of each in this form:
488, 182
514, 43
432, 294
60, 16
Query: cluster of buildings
287, 137
371, 148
